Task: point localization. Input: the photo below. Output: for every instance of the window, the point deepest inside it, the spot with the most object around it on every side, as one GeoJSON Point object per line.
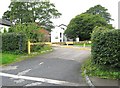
{"type": "Point", "coordinates": [60, 35]}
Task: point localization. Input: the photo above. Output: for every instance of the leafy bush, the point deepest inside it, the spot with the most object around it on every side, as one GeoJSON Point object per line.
{"type": "Point", "coordinates": [106, 47]}
{"type": "Point", "coordinates": [35, 48]}
{"type": "Point", "coordinates": [32, 31]}
{"type": "Point", "coordinates": [13, 42]}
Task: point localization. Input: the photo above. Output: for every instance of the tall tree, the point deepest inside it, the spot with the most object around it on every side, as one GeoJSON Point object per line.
{"type": "Point", "coordinates": [82, 25]}
{"type": "Point", "coordinates": [102, 11]}
{"type": "Point", "coordinates": [25, 12]}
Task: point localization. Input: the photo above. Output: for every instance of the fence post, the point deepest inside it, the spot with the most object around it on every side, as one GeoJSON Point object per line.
{"type": "Point", "coordinates": [28, 47]}
{"type": "Point", "coordinates": [84, 45]}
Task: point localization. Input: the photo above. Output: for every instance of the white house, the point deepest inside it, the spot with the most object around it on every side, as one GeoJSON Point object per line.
{"type": "Point", "coordinates": [4, 25]}
{"type": "Point", "coordinates": [57, 34]}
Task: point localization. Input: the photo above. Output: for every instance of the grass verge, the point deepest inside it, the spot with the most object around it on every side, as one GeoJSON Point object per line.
{"type": "Point", "coordinates": [94, 70]}
{"type": "Point", "coordinates": [7, 58]}
{"type": "Point", "coordinates": [82, 44]}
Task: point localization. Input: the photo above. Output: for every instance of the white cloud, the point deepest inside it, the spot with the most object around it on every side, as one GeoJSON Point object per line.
{"type": "Point", "coordinates": [3, 6]}
{"type": "Point", "coordinates": [71, 8]}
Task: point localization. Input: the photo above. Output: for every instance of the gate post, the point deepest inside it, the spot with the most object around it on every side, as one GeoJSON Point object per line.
{"type": "Point", "coordinates": [84, 45]}
{"type": "Point", "coordinates": [28, 47]}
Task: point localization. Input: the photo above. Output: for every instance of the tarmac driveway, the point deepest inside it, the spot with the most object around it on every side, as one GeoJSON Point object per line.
{"type": "Point", "coordinates": [58, 68]}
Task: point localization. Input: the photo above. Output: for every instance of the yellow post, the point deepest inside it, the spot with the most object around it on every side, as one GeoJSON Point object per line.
{"type": "Point", "coordinates": [67, 43]}
{"type": "Point", "coordinates": [84, 45]}
{"type": "Point", "coordinates": [28, 47]}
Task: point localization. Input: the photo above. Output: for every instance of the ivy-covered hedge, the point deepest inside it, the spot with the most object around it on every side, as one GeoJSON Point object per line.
{"type": "Point", "coordinates": [106, 47]}
{"type": "Point", "coordinates": [13, 42]}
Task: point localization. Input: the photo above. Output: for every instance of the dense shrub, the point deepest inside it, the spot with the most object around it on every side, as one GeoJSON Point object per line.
{"type": "Point", "coordinates": [32, 31]}
{"type": "Point", "coordinates": [13, 42]}
{"type": "Point", "coordinates": [35, 48]}
{"type": "Point", "coordinates": [106, 47]}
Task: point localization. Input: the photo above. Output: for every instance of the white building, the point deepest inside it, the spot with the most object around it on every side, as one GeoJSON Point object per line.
{"type": "Point", "coordinates": [4, 25]}
{"type": "Point", "coordinates": [57, 34]}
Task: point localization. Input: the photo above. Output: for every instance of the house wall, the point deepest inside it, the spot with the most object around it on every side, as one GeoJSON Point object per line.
{"type": "Point", "coordinates": [57, 34]}
{"type": "Point", "coordinates": [3, 27]}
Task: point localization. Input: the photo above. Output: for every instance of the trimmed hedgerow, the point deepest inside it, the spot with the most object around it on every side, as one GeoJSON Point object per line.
{"type": "Point", "coordinates": [13, 42]}
{"type": "Point", "coordinates": [106, 47]}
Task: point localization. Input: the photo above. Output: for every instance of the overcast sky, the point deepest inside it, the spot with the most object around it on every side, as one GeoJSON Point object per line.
{"type": "Point", "coordinates": [71, 8]}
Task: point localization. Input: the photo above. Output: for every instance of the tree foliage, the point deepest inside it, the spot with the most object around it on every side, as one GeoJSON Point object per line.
{"type": "Point", "coordinates": [82, 25]}
{"type": "Point", "coordinates": [24, 12]}
{"type": "Point", "coordinates": [31, 30]}
{"type": "Point", "coordinates": [100, 10]}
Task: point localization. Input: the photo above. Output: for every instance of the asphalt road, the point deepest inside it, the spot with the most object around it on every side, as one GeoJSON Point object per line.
{"type": "Point", "coordinates": [58, 68]}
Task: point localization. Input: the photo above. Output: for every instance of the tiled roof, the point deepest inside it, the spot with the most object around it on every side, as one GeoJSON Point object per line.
{"type": "Point", "coordinates": [44, 31]}
{"type": "Point", "coordinates": [5, 22]}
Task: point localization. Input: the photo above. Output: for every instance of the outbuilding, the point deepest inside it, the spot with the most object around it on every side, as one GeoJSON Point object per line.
{"type": "Point", "coordinates": [4, 25]}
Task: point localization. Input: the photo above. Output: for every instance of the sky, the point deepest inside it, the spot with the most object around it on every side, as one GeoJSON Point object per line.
{"type": "Point", "coordinates": [71, 8]}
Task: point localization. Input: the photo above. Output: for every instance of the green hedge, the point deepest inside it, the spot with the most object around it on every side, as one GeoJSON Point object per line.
{"type": "Point", "coordinates": [13, 42]}
{"type": "Point", "coordinates": [106, 48]}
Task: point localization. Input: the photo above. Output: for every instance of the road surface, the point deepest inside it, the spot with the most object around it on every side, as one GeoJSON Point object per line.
{"type": "Point", "coordinates": [58, 68]}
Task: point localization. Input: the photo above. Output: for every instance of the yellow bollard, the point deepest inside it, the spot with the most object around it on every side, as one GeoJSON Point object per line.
{"type": "Point", "coordinates": [28, 47]}
{"type": "Point", "coordinates": [84, 45]}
